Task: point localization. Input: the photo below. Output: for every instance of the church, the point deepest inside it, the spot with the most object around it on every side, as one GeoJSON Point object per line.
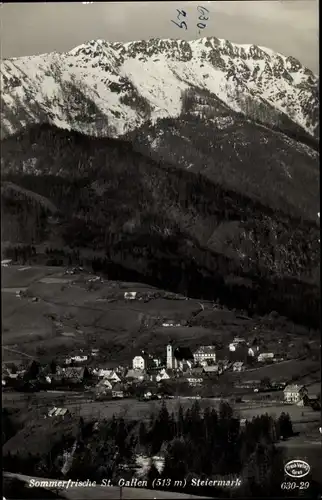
{"type": "Point", "coordinates": [177, 356]}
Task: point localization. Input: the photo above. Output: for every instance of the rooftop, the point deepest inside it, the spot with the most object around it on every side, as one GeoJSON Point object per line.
{"type": "Point", "coordinates": [293, 388]}
{"type": "Point", "coordinates": [211, 369]}
{"type": "Point", "coordinates": [206, 349]}
{"type": "Point", "coordinates": [135, 373]}
{"type": "Point", "coordinates": [57, 412]}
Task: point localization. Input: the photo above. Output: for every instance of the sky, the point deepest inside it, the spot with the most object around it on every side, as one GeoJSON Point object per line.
{"type": "Point", "coordinates": [286, 26]}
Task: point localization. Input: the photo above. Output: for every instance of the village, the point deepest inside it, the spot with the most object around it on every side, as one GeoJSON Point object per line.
{"type": "Point", "coordinates": [105, 349]}
{"type": "Point", "coordinates": [202, 373]}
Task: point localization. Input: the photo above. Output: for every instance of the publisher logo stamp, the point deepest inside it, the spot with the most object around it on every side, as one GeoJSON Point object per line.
{"type": "Point", "coordinates": [297, 468]}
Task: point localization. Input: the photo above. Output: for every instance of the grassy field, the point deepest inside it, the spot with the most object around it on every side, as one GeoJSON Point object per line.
{"type": "Point", "coordinates": [21, 276]}
{"type": "Point", "coordinates": [83, 405]}
{"type": "Point", "coordinates": [73, 306]}
{"type": "Point", "coordinates": [284, 370]}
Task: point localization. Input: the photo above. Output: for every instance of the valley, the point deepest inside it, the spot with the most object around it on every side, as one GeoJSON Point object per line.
{"type": "Point", "coordinates": [160, 272]}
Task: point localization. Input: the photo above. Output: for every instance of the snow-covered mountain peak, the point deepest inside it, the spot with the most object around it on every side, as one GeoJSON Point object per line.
{"type": "Point", "coordinates": [125, 84]}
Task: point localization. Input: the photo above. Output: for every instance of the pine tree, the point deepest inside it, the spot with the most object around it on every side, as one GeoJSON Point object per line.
{"type": "Point", "coordinates": [225, 411]}
{"type": "Point", "coordinates": [180, 421]}
{"type": "Point", "coordinates": [142, 434]}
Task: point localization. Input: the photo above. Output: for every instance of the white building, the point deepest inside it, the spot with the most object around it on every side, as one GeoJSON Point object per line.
{"type": "Point", "coordinates": [110, 375]}
{"type": "Point", "coordinates": [130, 295]}
{"type": "Point", "coordinates": [139, 362]}
{"type": "Point", "coordinates": [172, 362]}
{"type": "Point", "coordinates": [6, 262]}
{"type": "Point", "coordinates": [205, 352]}
{"type": "Point", "coordinates": [293, 393]}
{"type": "Point", "coordinates": [237, 342]}
{"type": "Point", "coordinates": [163, 375]}
{"type": "Point", "coordinates": [184, 365]}
{"type": "Point", "coordinates": [76, 359]}
{"type": "Point", "coordinates": [193, 381]}
{"type": "Point", "coordinates": [104, 384]}
{"type": "Point", "coordinates": [264, 356]}
{"type": "Point", "coordinates": [170, 323]}
{"type": "Point", "coordinates": [58, 412]}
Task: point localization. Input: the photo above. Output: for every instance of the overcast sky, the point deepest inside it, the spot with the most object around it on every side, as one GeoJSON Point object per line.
{"type": "Point", "coordinates": [288, 26]}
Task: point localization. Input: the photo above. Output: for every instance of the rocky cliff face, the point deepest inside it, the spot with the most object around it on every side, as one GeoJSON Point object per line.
{"type": "Point", "coordinates": [108, 89]}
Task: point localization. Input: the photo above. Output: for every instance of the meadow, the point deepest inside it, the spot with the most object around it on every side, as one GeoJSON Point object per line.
{"type": "Point", "coordinates": [57, 311]}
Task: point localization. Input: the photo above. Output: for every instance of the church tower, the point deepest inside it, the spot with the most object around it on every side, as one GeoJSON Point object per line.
{"type": "Point", "coordinates": [170, 357]}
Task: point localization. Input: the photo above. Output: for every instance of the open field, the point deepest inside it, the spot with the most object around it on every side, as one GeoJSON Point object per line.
{"type": "Point", "coordinates": [56, 306]}
{"type": "Point", "coordinates": [19, 276]}
{"type": "Point", "coordinates": [283, 370]}
{"type": "Point", "coordinates": [83, 405]}
{"type": "Point", "coordinates": [61, 312]}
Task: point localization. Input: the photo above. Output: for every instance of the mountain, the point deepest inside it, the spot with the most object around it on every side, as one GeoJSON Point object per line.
{"type": "Point", "coordinates": [110, 89]}
{"type": "Point", "coordinates": [191, 166]}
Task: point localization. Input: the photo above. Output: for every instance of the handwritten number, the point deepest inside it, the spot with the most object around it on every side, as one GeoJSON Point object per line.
{"type": "Point", "coordinates": [181, 13]}
{"type": "Point", "coordinates": [202, 9]}
{"type": "Point", "coordinates": [181, 25]}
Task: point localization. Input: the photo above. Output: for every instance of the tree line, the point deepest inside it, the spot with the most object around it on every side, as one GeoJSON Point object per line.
{"type": "Point", "coordinates": [194, 443]}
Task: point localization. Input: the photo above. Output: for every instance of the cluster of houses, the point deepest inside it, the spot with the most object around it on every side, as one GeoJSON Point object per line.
{"type": "Point", "coordinates": [253, 351]}
{"type": "Point", "coordinates": [179, 365]}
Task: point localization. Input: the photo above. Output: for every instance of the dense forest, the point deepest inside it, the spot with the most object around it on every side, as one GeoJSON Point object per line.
{"type": "Point", "coordinates": [163, 225]}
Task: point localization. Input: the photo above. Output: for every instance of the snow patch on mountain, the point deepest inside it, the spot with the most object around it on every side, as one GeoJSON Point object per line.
{"type": "Point", "coordinates": [104, 88]}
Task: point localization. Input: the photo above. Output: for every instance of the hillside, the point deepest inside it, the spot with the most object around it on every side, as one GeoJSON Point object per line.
{"type": "Point", "coordinates": [240, 154]}
{"type": "Point", "coordinates": [176, 229]}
